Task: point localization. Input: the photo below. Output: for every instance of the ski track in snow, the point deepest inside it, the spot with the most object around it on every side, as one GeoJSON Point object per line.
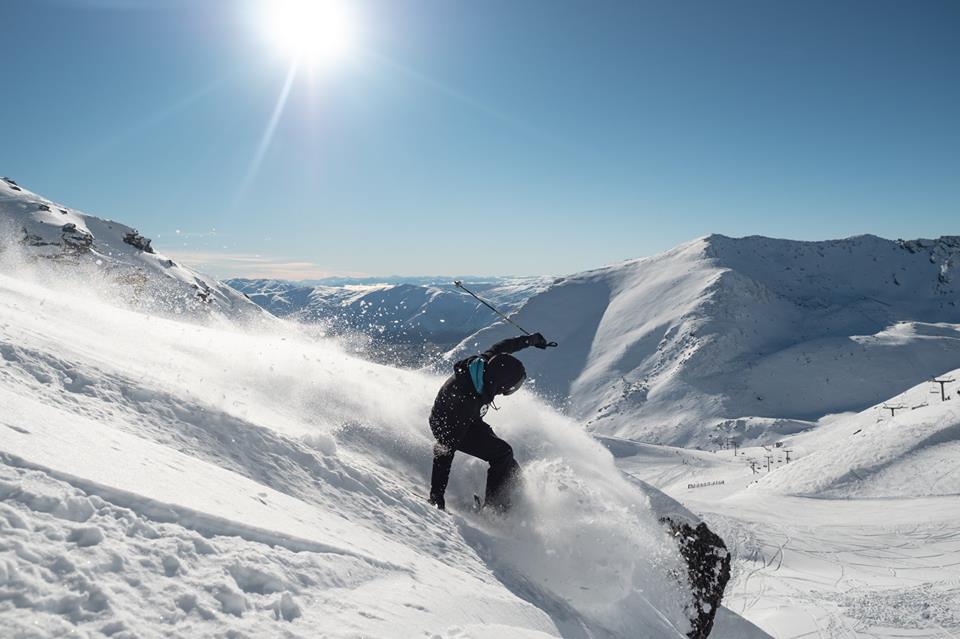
{"type": "Point", "coordinates": [816, 567]}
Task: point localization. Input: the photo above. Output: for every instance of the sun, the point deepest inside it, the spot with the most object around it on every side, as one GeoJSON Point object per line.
{"type": "Point", "coordinates": [310, 32]}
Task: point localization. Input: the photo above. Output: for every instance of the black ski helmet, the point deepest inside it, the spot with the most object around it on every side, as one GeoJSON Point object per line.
{"type": "Point", "coordinates": [504, 374]}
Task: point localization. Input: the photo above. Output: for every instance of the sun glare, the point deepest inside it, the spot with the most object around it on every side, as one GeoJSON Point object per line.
{"type": "Point", "coordinates": [310, 32]}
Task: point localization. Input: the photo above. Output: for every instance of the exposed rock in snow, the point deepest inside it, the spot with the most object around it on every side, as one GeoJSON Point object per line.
{"type": "Point", "coordinates": [708, 571]}
{"type": "Point", "coordinates": [703, 551]}
{"type": "Point", "coordinates": [134, 239]}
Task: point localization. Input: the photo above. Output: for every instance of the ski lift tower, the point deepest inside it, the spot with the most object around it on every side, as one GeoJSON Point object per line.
{"type": "Point", "coordinates": [893, 409]}
{"type": "Point", "coordinates": [943, 391]}
{"type": "Point", "coordinates": [732, 443]}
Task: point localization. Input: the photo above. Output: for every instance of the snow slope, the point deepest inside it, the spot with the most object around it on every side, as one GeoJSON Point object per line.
{"type": "Point", "coordinates": [858, 535]}
{"type": "Point", "coordinates": [911, 451]}
{"type": "Point", "coordinates": [433, 311]}
{"type": "Point", "coordinates": [108, 258]}
{"type": "Point", "coordinates": [682, 346]}
{"type": "Point", "coordinates": [161, 478]}
{"type": "Point", "coordinates": [851, 568]}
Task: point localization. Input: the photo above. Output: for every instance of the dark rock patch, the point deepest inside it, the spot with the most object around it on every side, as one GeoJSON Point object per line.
{"type": "Point", "coordinates": [708, 571]}
{"type": "Point", "coordinates": [137, 241]}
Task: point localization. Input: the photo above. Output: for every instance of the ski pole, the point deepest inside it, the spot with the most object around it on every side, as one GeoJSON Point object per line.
{"type": "Point", "coordinates": [459, 284]}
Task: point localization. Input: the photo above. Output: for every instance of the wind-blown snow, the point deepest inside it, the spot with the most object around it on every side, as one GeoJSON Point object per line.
{"type": "Point", "coordinates": [170, 479]}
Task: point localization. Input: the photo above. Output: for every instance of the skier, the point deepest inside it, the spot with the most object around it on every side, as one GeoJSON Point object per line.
{"type": "Point", "coordinates": [457, 418]}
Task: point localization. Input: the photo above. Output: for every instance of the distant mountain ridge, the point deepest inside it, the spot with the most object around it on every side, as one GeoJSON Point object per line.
{"type": "Point", "coordinates": [726, 337]}
{"type": "Point", "coordinates": [418, 280]}
{"type": "Point", "coordinates": [420, 310]}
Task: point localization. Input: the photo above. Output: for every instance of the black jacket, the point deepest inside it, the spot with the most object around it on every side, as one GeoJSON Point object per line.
{"type": "Point", "coordinates": [458, 405]}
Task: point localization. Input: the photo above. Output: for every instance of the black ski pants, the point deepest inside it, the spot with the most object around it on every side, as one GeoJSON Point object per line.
{"type": "Point", "coordinates": [480, 441]}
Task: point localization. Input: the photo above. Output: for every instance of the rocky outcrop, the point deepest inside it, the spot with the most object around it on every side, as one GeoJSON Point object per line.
{"type": "Point", "coordinates": [708, 571]}
{"type": "Point", "coordinates": [703, 551]}
{"type": "Point", "coordinates": [32, 239]}
{"type": "Point", "coordinates": [75, 240]}
{"type": "Point", "coordinates": [71, 241]}
{"type": "Point", "coordinates": [203, 292]}
{"type": "Point", "coordinates": [134, 239]}
{"type": "Point", "coordinates": [944, 252]}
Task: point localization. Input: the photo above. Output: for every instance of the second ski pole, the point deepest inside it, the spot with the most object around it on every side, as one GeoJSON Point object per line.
{"type": "Point", "coordinates": [459, 284]}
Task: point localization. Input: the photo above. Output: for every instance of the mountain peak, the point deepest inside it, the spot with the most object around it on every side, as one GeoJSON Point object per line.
{"type": "Point", "coordinates": [672, 347]}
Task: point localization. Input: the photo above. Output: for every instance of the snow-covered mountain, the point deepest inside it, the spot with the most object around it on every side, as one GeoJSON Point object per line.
{"type": "Point", "coordinates": [747, 338]}
{"type": "Point", "coordinates": [160, 478]}
{"type": "Point", "coordinates": [107, 258]}
{"type": "Point", "coordinates": [427, 315]}
{"type": "Point", "coordinates": [401, 312]}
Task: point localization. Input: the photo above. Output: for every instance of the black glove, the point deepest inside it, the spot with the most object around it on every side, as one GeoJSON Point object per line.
{"type": "Point", "coordinates": [437, 500]}
{"type": "Point", "coordinates": [537, 340]}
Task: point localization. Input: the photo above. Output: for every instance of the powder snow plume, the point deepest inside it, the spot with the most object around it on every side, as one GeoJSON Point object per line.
{"type": "Point", "coordinates": [190, 435]}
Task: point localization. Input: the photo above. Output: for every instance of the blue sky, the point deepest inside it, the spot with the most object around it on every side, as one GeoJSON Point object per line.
{"type": "Point", "coordinates": [494, 137]}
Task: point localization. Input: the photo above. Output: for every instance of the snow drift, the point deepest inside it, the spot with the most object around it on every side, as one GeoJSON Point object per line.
{"type": "Point", "coordinates": [679, 347]}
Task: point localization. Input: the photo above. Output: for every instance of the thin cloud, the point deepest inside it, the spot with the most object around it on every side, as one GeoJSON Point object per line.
{"type": "Point", "coordinates": [255, 266]}
{"type": "Point", "coordinates": [123, 5]}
